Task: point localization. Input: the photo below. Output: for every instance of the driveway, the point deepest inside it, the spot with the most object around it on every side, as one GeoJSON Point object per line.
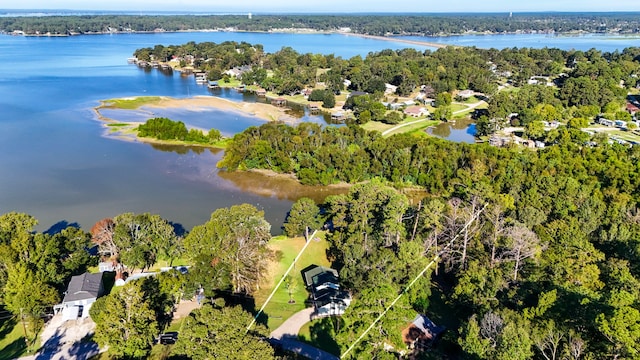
{"type": "Point", "coordinates": [286, 337]}
{"type": "Point", "coordinates": [66, 340]}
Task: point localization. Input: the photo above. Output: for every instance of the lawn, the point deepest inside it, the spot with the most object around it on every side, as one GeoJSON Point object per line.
{"type": "Point", "coordinates": [12, 343]}
{"type": "Point", "coordinates": [131, 103]}
{"type": "Point", "coordinates": [414, 127]}
{"type": "Point", "coordinates": [286, 249]}
{"type": "Point", "coordinates": [376, 126]}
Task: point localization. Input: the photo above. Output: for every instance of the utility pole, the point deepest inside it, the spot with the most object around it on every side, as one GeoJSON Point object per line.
{"type": "Point", "coordinates": [24, 330]}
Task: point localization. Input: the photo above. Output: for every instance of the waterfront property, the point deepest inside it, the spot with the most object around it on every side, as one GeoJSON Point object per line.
{"type": "Point", "coordinates": [324, 291]}
{"type": "Point", "coordinates": [82, 292]}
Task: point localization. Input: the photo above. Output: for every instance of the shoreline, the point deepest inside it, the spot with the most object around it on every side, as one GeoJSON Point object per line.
{"type": "Point", "coordinates": [128, 132]}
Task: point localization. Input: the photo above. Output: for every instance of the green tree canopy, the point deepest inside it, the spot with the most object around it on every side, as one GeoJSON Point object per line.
{"type": "Point", "coordinates": [211, 333]}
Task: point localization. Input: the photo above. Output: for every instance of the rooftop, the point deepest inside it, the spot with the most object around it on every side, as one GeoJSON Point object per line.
{"type": "Point", "coordinates": [85, 286]}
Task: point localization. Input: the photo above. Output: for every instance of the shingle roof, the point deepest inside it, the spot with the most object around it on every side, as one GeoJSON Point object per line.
{"type": "Point", "coordinates": [85, 286]}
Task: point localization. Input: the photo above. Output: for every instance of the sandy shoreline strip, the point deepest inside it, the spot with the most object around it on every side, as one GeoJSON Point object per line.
{"type": "Point", "coordinates": [263, 111]}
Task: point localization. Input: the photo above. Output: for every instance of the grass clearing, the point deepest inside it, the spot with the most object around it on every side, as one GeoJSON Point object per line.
{"type": "Point", "coordinates": [117, 124]}
{"type": "Point", "coordinates": [376, 126]}
{"type": "Point", "coordinates": [131, 103]}
{"type": "Point", "coordinates": [286, 249]}
{"type": "Point", "coordinates": [12, 344]}
{"type": "Point", "coordinates": [417, 127]}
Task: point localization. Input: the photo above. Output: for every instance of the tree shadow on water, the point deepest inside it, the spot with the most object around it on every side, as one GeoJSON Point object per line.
{"type": "Point", "coordinates": [59, 226]}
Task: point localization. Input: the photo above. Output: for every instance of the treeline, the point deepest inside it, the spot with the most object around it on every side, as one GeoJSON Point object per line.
{"type": "Point", "coordinates": [374, 24]}
{"type": "Point", "coordinates": [167, 129]}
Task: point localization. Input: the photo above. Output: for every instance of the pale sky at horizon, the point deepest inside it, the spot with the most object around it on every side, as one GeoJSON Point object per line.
{"type": "Point", "coordinates": [334, 6]}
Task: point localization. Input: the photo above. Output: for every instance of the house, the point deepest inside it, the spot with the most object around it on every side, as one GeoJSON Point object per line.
{"type": "Point", "coordinates": [325, 294]}
{"type": "Point", "coordinates": [279, 101]}
{"type": "Point", "coordinates": [465, 94]}
{"type": "Point", "coordinates": [237, 71]}
{"type": "Point", "coordinates": [356, 93]}
{"type": "Point", "coordinates": [421, 334]}
{"type": "Point", "coordinates": [416, 111]}
{"type": "Point", "coordinates": [261, 92]}
{"type": "Point", "coordinates": [82, 292]}
{"type": "Point", "coordinates": [632, 108]}
{"type": "Point", "coordinates": [390, 89]}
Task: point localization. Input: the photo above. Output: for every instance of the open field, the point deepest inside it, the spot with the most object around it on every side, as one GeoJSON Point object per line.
{"type": "Point", "coordinates": [286, 249]}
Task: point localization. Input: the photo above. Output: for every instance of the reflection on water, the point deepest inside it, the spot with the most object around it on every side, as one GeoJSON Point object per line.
{"type": "Point", "coordinates": [185, 149]}
{"type": "Point", "coordinates": [461, 130]}
{"type": "Point", "coordinates": [279, 187]}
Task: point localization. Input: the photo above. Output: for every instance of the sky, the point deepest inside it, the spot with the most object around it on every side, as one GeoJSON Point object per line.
{"type": "Point", "coordinates": [333, 6]}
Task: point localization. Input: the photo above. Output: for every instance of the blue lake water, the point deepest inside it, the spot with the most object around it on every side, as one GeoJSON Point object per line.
{"type": "Point", "coordinates": [56, 163]}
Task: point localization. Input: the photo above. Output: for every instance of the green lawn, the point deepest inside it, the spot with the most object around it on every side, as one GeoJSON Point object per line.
{"type": "Point", "coordinates": [457, 107]}
{"type": "Point", "coordinates": [286, 249]}
{"type": "Point", "coordinates": [12, 343]}
{"type": "Point", "coordinates": [415, 127]}
{"type": "Point", "coordinates": [131, 103]}
{"type": "Point", "coordinates": [376, 126]}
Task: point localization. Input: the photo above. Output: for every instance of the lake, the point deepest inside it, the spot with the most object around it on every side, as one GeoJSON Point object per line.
{"type": "Point", "coordinates": [57, 165]}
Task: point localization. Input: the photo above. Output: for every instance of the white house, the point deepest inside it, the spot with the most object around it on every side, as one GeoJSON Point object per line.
{"type": "Point", "coordinates": [82, 292]}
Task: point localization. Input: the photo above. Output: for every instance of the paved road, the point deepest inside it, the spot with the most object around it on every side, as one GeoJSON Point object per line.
{"type": "Point", "coordinates": [286, 335]}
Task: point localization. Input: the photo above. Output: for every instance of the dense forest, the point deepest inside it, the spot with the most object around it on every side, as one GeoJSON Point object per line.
{"type": "Point", "coordinates": [373, 24]}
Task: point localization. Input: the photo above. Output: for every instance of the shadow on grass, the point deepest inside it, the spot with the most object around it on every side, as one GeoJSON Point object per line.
{"type": "Point", "coordinates": [13, 350]}
{"type": "Point", "coordinates": [323, 333]}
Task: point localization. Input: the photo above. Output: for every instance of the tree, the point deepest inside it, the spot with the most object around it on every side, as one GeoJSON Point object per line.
{"type": "Point", "coordinates": [328, 100]}
{"type": "Point", "coordinates": [234, 238]}
{"type": "Point", "coordinates": [524, 244]}
{"type": "Point", "coordinates": [534, 129]}
{"type": "Point", "coordinates": [302, 217]}
{"type": "Point", "coordinates": [28, 296]}
{"type": "Point", "coordinates": [102, 235]}
{"type": "Point", "coordinates": [140, 238]}
{"type": "Point", "coordinates": [125, 322]}
{"type": "Point", "coordinates": [393, 117]}
{"type": "Point", "coordinates": [211, 333]}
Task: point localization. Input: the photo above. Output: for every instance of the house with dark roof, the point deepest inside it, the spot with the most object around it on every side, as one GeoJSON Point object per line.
{"type": "Point", "coordinates": [82, 292]}
{"type": "Point", "coordinates": [421, 334]}
{"type": "Point", "coordinates": [324, 291]}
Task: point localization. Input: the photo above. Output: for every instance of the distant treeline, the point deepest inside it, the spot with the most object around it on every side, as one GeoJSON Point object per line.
{"type": "Point", "coordinates": [423, 24]}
